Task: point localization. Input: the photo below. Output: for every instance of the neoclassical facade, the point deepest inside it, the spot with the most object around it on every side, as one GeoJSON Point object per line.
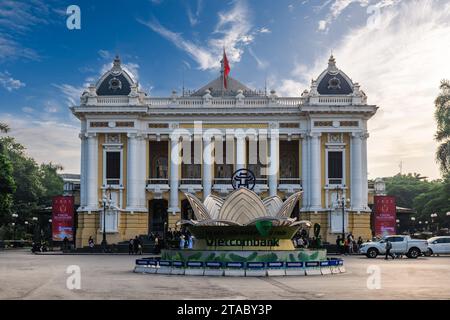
{"type": "Point", "coordinates": [144, 153]}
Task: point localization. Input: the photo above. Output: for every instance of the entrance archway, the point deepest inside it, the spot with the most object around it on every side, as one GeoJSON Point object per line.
{"type": "Point", "coordinates": [157, 217]}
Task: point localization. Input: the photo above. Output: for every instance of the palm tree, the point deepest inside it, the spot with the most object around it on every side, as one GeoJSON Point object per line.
{"type": "Point", "coordinates": [442, 117]}
{"type": "Point", "coordinates": [4, 127]}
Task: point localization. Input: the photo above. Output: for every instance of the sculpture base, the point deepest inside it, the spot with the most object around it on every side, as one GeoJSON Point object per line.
{"type": "Point", "coordinates": [300, 255]}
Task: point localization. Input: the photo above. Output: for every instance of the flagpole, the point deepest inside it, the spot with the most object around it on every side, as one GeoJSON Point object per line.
{"type": "Point", "coordinates": [222, 71]}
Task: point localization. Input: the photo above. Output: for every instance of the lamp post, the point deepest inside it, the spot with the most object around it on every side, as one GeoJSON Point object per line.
{"type": "Point", "coordinates": [434, 215]}
{"type": "Point", "coordinates": [106, 204]}
{"type": "Point", "coordinates": [341, 203]}
{"type": "Point", "coordinates": [35, 228]}
{"type": "Point", "coordinates": [448, 215]}
{"type": "Point", "coordinates": [15, 216]}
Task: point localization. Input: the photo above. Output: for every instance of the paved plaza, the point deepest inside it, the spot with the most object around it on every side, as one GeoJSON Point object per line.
{"type": "Point", "coordinates": [27, 276]}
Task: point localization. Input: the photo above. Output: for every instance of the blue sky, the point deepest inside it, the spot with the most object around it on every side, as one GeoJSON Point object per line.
{"type": "Point", "coordinates": [397, 50]}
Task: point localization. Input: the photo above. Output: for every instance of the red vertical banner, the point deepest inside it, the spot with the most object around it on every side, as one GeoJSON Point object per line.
{"type": "Point", "coordinates": [385, 215]}
{"type": "Point", "coordinates": [62, 218]}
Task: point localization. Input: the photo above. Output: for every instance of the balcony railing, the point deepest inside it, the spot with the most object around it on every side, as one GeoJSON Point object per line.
{"type": "Point", "coordinates": [222, 180]}
{"type": "Point", "coordinates": [261, 180]}
{"type": "Point", "coordinates": [290, 181]}
{"type": "Point", "coordinates": [112, 181]}
{"type": "Point", "coordinates": [157, 181]}
{"type": "Point", "coordinates": [191, 181]}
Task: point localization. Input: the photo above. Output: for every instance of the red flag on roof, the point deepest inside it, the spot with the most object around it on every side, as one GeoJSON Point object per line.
{"type": "Point", "coordinates": [226, 69]}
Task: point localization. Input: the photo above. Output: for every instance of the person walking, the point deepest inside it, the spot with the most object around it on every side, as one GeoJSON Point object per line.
{"type": "Point", "coordinates": [388, 250]}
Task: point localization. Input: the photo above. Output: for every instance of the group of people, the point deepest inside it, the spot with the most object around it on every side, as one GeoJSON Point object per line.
{"type": "Point", "coordinates": [135, 246]}
{"type": "Point", "coordinates": [184, 240]}
{"type": "Point", "coordinates": [301, 239]}
{"type": "Point", "coordinates": [349, 244]}
{"type": "Point", "coordinates": [39, 246]}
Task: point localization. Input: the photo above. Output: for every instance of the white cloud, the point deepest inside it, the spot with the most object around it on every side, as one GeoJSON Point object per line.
{"type": "Point", "coordinates": [399, 64]}
{"type": "Point", "coordinates": [264, 30]}
{"type": "Point", "coordinates": [71, 93]}
{"type": "Point", "coordinates": [27, 109]}
{"type": "Point", "coordinates": [9, 83]}
{"type": "Point", "coordinates": [337, 7]}
{"type": "Point", "coordinates": [104, 54]}
{"type": "Point", "coordinates": [202, 56]}
{"type": "Point", "coordinates": [232, 31]}
{"type": "Point", "coordinates": [262, 64]}
{"type": "Point", "coordinates": [47, 140]}
{"type": "Point", "coordinates": [18, 18]}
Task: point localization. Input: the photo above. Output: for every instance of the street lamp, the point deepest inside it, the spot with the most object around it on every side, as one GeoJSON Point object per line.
{"type": "Point", "coordinates": [341, 203]}
{"type": "Point", "coordinates": [106, 204]}
{"type": "Point", "coordinates": [15, 216]}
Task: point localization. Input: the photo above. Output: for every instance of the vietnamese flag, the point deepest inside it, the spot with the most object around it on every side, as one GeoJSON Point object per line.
{"type": "Point", "coordinates": [226, 69]}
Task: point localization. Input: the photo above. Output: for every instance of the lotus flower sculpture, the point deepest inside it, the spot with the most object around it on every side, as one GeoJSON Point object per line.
{"type": "Point", "coordinates": [242, 207]}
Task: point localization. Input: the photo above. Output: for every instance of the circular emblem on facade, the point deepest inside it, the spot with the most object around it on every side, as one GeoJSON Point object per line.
{"type": "Point", "coordinates": [334, 83]}
{"type": "Point", "coordinates": [115, 84]}
{"type": "Point", "coordinates": [243, 178]}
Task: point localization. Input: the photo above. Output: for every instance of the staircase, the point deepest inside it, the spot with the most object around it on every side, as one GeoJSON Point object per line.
{"type": "Point", "coordinates": [148, 246]}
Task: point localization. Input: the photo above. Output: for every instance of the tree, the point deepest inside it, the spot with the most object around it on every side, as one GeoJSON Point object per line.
{"type": "Point", "coordinates": [35, 184]}
{"type": "Point", "coordinates": [7, 187]}
{"type": "Point", "coordinates": [4, 127]}
{"type": "Point", "coordinates": [442, 117]}
{"type": "Point", "coordinates": [406, 187]}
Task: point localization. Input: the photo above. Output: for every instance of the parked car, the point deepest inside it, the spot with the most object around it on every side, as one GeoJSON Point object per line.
{"type": "Point", "coordinates": [412, 248]}
{"type": "Point", "coordinates": [439, 245]}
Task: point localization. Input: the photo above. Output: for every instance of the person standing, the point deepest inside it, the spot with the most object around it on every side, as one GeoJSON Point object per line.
{"type": "Point", "coordinates": [131, 247]}
{"type": "Point", "coordinates": [190, 242]}
{"type": "Point", "coordinates": [156, 251]}
{"type": "Point", "coordinates": [182, 242]}
{"type": "Point", "coordinates": [91, 243]}
{"type": "Point", "coordinates": [388, 250]}
{"type": "Point", "coordinates": [360, 242]}
{"type": "Point", "coordinates": [136, 245]}
{"type": "Point", "coordinates": [338, 244]}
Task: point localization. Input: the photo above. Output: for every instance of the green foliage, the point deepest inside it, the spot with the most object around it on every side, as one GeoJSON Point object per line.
{"type": "Point", "coordinates": [442, 117]}
{"type": "Point", "coordinates": [7, 187]}
{"type": "Point", "coordinates": [406, 187]}
{"type": "Point", "coordinates": [25, 187]}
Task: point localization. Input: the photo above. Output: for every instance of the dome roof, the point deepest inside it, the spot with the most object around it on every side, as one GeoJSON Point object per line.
{"type": "Point", "coordinates": [115, 82]}
{"type": "Point", "coordinates": [334, 81]}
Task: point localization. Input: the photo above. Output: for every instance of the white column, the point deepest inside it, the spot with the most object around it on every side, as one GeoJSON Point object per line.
{"type": "Point", "coordinates": [135, 173]}
{"type": "Point", "coordinates": [305, 170]}
{"type": "Point", "coordinates": [207, 166]}
{"type": "Point", "coordinates": [174, 163]}
{"type": "Point", "coordinates": [240, 151]}
{"type": "Point", "coordinates": [92, 172]}
{"type": "Point", "coordinates": [83, 171]}
{"type": "Point", "coordinates": [356, 165]}
{"type": "Point", "coordinates": [274, 163]}
{"type": "Point", "coordinates": [316, 165]}
{"type": "Point", "coordinates": [365, 188]}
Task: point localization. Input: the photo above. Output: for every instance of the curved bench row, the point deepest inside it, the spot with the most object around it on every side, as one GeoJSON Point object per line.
{"type": "Point", "coordinates": [258, 269]}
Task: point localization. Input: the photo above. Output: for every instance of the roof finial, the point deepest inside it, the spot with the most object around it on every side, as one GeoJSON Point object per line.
{"type": "Point", "coordinates": [116, 62]}
{"type": "Point", "coordinates": [332, 64]}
